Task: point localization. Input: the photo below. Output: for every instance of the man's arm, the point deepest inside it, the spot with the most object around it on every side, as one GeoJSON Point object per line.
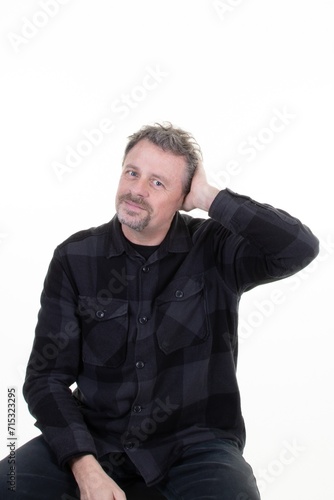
{"type": "Point", "coordinates": [261, 243]}
{"type": "Point", "coordinates": [53, 367]}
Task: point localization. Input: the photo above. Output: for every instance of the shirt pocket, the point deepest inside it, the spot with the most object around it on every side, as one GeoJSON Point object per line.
{"type": "Point", "coordinates": [181, 319]}
{"type": "Point", "coordinates": [104, 331]}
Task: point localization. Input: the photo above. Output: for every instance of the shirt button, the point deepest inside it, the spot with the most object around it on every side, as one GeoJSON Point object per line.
{"type": "Point", "coordinates": [100, 314]}
{"type": "Point", "coordinates": [143, 320]}
{"type": "Point", "coordinates": [146, 269]}
{"type": "Point", "coordinates": [137, 408]}
{"type": "Point", "coordinates": [129, 445]}
{"type": "Point", "coordinates": [140, 364]}
{"type": "Point", "coordinates": [179, 294]}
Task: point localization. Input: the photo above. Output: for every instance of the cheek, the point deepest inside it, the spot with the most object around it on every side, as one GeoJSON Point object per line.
{"type": "Point", "coordinates": [169, 206]}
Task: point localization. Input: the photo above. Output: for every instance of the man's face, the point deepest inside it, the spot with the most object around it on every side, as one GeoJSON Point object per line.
{"type": "Point", "coordinates": [150, 189]}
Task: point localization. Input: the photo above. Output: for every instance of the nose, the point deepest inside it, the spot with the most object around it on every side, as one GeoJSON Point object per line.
{"type": "Point", "coordinates": [140, 188]}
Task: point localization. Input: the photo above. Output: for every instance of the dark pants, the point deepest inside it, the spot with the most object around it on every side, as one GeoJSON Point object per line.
{"type": "Point", "coordinates": [214, 470]}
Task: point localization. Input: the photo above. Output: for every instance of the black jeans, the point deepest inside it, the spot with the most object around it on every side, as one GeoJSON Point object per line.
{"type": "Point", "coordinates": [214, 470]}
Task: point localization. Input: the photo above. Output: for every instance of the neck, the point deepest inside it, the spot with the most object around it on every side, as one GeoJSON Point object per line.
{"type": "Point", "coordinates": [143, 237]}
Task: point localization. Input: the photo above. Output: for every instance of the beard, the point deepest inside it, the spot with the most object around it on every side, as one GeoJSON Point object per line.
{"type": "Point", "coordinates": [131, 218]}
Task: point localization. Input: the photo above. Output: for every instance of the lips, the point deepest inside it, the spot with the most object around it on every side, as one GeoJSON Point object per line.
{"type": "Point", "coordinates": [133, 205]}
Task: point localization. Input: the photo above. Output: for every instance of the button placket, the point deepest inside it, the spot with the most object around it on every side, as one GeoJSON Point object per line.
{"type": "Point", "coordinates": [146, 283]}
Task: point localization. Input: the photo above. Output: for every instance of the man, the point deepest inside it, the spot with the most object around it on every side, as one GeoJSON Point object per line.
{"type": "Point", "coordinates": [141, 313]}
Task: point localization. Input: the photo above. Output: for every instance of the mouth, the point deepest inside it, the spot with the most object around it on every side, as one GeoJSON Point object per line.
{"type": "Point", "coordinates": [133, 205]}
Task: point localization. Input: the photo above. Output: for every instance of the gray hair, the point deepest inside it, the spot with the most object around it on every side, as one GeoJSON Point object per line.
{"type": "Point", "coordinates": [174, 140]}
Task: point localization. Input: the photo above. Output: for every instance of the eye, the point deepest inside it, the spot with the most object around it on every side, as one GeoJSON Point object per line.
{"type": "Point", "coordinates": [131, 173]}
{"type": "Point", "coordinates": [157, 183]}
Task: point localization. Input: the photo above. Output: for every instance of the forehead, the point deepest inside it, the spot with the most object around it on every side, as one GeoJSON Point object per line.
{"type": "Point", "coordinates": [146, 155]}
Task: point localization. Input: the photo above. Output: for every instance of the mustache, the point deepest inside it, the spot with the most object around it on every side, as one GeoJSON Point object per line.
{"type": "Point", "coordinates": [137, 200]}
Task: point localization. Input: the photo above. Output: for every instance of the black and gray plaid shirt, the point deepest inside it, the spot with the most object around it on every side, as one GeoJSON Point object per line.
{"type": "Point", "coordinates": [152, 344]}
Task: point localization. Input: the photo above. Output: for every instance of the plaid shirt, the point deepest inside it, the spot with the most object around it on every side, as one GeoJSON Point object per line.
{"type": "Point", "coordinates": [152, 344]}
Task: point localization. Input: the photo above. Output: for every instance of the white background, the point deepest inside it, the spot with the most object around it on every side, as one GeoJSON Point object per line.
{"type": "Point", "coordinates": [223, 74]}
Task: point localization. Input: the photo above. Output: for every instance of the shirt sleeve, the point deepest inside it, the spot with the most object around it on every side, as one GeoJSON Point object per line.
{"type": "Point", "coordinates": [264, 243]}
{"type": "Point", "coordinates": [53, 367]}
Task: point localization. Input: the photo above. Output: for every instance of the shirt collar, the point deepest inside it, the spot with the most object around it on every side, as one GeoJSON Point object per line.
{"type": "Point", "coordinates": [177, 239]}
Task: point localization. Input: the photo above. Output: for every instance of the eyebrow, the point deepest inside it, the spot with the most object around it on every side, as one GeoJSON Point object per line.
{"type": "Point", "coordinates": [157, 176]}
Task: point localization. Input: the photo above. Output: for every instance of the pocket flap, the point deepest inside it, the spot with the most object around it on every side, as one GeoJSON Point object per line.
{"type": "Point", "coordinates": [101, 309]}
{"type": "Point", "coordinates": [181, 289]}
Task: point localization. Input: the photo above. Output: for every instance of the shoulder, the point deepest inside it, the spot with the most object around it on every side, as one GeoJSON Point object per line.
{"type": "Point", "coordinates": [85, 239]}
{"type": "Point", "coordinates": [197, 223]}
{"type": "Point", "coordinates": [198, 227]}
